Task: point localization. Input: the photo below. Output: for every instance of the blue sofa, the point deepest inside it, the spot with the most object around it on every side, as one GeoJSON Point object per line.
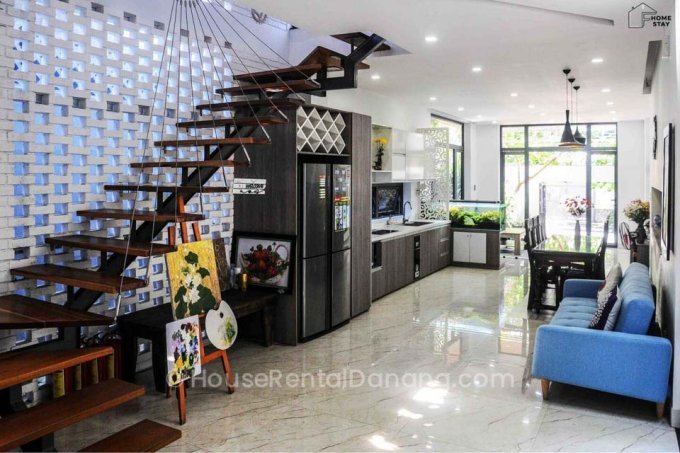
{"type": "Point", "coordinates": [625, 361]}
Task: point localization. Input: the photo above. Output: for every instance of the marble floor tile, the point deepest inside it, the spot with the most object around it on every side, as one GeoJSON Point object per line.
{"type": "Point", "coordinates": [441, 365]}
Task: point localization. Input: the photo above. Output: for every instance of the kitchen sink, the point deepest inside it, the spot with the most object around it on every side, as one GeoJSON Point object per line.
{"type": "Point", "coordinates": [417, 224]}
{"type": "Point", "coordinates": [380, 232]}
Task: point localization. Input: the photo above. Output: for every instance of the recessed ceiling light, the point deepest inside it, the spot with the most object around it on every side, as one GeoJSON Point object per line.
{"type": "Point", "coordinates": [514, 95]}
{"type": "Point", "coordinates": [433, 98]}
{"type": "Point", "coordinates": [613, 112]}
{"type": "Point", "coordinates": [542, 113]}
{"type": "Point", "coordinates": [597, 60]}
{"type": "Point", "coordinates": [460, 109]}
{"type": "Point", "coordinates": [494, 122]}
{"type": "Point", "coordinates": [610, 103]}
{"type": "Point", "coordinates": [375, 76]}
{"type": "Point", "coordinates": [431, 38]}
{"type": "Point", "coordinates": [476, 69]}
{"type": "Point", "coordinates": [531, 106]}
{"type": "Point", "coordinates": [479, 116]}
{"type": "Point", "coordinates": [606, 90]}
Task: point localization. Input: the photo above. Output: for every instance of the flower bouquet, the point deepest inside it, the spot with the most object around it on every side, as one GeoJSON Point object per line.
{"type": "Point", "coordinates": [577, 206]}
{"type": "Point", "coordinates": [380, 152]}
{"type": "Point", "coordinates": [638, 211]}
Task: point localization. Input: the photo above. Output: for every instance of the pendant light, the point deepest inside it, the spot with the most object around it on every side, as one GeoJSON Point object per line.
{"type": "Point", "coordinates": [577, 135]}
{"type": "Point", "coordinates": [568, 140]}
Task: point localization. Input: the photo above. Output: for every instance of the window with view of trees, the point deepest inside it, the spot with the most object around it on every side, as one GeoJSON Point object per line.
{"type": "Point", "coordinates": [456, 153]}
{"type": "Point", "coordinates": [537, 176]}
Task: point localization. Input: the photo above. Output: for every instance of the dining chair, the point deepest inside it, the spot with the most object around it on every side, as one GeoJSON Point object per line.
{"type": "Point", "coordinates": [542, 228]}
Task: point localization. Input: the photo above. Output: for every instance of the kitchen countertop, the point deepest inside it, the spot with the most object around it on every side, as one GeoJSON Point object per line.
{"type": "Point", "coordinates": [401, 230]}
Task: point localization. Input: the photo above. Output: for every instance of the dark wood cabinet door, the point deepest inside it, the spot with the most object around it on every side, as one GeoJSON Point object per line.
{"type": "Point", "coordinates": [379, 283]}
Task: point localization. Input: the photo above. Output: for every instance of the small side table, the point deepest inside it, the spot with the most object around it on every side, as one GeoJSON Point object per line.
{"type": "Point", "coordinates": [150, 324]}
{"type": "Point", "coordinates": [516, 235]}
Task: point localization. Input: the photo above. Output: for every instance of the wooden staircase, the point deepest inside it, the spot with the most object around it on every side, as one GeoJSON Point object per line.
{"type": "Point", "coordinates": [260, 100]}
{"type": "Point", "coordinates": [23, 427]}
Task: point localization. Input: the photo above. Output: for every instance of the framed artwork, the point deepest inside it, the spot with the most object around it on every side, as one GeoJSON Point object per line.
{"type": "Point", "coordinates": [183, 349]}
{"type": "Point", "coordinates": [668, 215]}
{"type": "Point", "coordinates": [267, 259]}
{"type": "Point", "coordinates": [194, 284]}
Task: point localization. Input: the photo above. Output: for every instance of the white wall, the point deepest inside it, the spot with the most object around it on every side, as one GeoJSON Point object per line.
{"type": "Point", "coordinates": [633, 180]}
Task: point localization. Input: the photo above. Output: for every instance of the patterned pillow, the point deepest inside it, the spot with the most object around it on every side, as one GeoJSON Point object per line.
{"type": "Point", "coordinates": [612, 281]}
{"type": "Point", "coordinates": [601, 316]}
{"type": "Point", "coordinates": [613, 315]}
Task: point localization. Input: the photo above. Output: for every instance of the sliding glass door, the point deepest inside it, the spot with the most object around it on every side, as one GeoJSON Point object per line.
{"type": "Point", "coordinates": [537, 176]}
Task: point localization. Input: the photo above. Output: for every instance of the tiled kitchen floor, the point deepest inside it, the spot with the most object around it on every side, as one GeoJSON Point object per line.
{"type": "Point", "coordinates": [469, 327]}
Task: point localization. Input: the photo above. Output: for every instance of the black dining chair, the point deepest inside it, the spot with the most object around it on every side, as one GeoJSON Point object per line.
{"type": "Point", "coordinates": [597, 269]}
{"type": "Point", "coordinates": [542, 273]}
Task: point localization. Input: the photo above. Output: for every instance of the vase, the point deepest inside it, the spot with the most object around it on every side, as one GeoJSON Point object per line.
{"type": "Point", "coordinates": [577, 229]}
{"type": "Point", "coordinates": [640, 234]}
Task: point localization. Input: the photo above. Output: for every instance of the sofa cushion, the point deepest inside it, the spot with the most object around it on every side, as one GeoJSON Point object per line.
{"type": "Point", "coordinates": [637, 301]}
{"type": "Point", "coordinates": [601, 316]}
{"type": "Point", "coordinates": [613, 315]}
{"type": "Point", "coordinates": [575, 312]}
{"type": "Point", "coordinates": [610, 284]}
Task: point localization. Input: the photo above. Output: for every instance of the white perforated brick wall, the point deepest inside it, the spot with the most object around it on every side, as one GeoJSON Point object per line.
{"type": "Point", "coordinates": [77, 86]}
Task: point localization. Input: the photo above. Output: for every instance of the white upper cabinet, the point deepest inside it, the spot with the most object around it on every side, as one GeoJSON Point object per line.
{"type": "Point", "coordinates": [405, 157]}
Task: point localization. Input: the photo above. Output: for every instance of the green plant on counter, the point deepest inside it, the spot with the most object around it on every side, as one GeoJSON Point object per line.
{"type": "Point", "coordinates": [491, 219]}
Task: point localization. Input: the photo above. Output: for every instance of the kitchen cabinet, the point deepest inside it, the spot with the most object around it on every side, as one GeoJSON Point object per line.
{"type": "Point", "coordinates": [405, 156]}
{"type": "Point", "coordinates": [477, 248]}
{"type": "Point", "coordinates": [397, 259]}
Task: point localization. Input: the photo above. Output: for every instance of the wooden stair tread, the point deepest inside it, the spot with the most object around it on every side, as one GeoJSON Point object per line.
{"type": "Point", "coordinates": [285, 103]}
{"type": "Point", "coordinates": [274, 87]}
{"type": "Point", "coordinates": [139, 214]}
{"type": "Point", "coordinates": [224, 122]}
{"type": "Point", "coordinates": [294, 72]}
{"type": "Point", "coordinates": [164, 189]}
{"type": "Point", "coordinates": [18, 367]}
{"type": "Point", "coordinates": [146, 435]}
{"type": "Point", "coordinates": [329, 59]}
{"type": "Point", "coordinates": [21, 312]}
{"type": "Point", "coordinates": [30, 424]}
{"type": "Point", "coordinates": [212, 141]}
{"type": "Point", "coordinates": [113, 245]}
{"type": "Point", "coordinates": [81, 278]}
{"type": "Point", "coordinates": [216, 163]}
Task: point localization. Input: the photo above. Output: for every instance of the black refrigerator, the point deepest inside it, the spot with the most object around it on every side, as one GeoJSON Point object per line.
{"type": "Point", "coordinates": [326, 247]}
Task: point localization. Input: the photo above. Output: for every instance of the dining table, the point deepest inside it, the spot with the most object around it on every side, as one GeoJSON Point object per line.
{"type": "Point", "coordinates": [558, 252]}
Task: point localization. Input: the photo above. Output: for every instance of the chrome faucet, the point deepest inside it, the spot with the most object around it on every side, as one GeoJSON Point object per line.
{"type": "Point", "coordinates": [411, 208]}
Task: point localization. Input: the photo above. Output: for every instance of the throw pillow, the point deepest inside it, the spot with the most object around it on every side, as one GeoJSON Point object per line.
{"type": "Point", "coordinates": [612, 281]}
{"type": "Point", "coordinates": [613, 315]}
{"type": "Point", "coordinates": [601, 316]}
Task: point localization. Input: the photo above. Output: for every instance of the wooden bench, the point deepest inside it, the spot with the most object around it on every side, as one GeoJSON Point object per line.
{"type": "Point", "coordinates": [146, 435]}
{"type": "Point", "coordinates": [150, 324]}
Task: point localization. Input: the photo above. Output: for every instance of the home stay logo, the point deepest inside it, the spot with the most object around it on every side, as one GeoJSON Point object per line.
{"type": "Point", "coordinates": [639, 15]}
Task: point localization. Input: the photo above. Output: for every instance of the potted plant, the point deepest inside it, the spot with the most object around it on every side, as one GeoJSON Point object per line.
{"type": "Point", "coordinates": [380, 152]}
{"type": "Point", "coordinates": [638, 211]}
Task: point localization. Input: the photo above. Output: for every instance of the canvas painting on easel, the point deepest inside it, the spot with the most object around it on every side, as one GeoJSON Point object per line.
{"type": "Point", "coordinates": [194, 284]}
{"type": "Point", "coordinates": [183, 349]}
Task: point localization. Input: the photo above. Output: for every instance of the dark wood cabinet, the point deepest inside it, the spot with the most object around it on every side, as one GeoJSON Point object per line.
{"type": "Point", "coordinates": [379, 283]}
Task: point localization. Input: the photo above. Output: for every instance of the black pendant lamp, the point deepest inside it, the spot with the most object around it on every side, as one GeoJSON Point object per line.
{"type": "Point", "coordinates": [568, 140]}
{"type": "Point", "coordinates": [577, 135]}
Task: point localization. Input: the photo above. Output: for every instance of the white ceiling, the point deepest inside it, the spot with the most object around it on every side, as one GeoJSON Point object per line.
{"type": "Point", "coordinates": [521, 50]}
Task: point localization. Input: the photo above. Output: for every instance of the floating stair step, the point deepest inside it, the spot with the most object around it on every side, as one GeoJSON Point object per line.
{"type": "Point", "coordinates": [274, 87]}
{"type": "Point", "coordinates": [223, 122]}
{"type": "Point", "coordinates": [358, 38]}
{"type": "Point", "coordinates": [143, 215]}
{"type": "Point", "coordinates": [294, 72]}
{"type": "Point", "coordinates": [80, 278]}
{"type": "Point", "coordinates": [20, 312]}
{"type": "Point", "coordinates": [235, 105]}
{"type": "Point", "coordinates": [146, 435]}
{"type": "Point", "coordinates": [22, 366]}
{"type": "Point", "coordinates": [216, 163]}
{"type": "Point", "coordinates": [329, 59]}
{"type": "Point", "coordinates": [212, 141]}
{"type": "Point", "coordinates": [165, 189]}
{"type": "Point", "coordinates": [24, 426]}
{"type": "Point", "coordinates": [110, 245]}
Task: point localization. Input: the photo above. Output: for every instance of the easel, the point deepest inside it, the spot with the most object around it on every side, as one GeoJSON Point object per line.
{"type": "Point", "coordinates": [181, 390]}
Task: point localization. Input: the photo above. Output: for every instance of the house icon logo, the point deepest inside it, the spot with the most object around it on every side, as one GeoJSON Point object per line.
{"type": "Point", "coordinates": [639, 15]}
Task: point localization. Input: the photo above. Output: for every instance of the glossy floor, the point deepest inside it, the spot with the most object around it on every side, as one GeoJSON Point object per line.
{"type": "Point", "coordinates": [440, 365]}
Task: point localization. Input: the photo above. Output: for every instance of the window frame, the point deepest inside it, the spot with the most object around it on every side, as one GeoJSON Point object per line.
{"type": "Point", "coordinates": [590, 151]}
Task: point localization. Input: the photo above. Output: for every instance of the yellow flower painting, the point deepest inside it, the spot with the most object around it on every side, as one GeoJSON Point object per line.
{"type": "Point", "coordinates": [194, 284]}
